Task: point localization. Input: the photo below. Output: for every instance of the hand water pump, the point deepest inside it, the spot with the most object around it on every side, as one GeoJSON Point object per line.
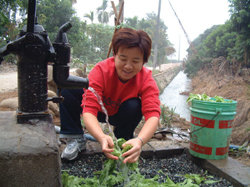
{"type": "Point", "coordinates": [34, 52]}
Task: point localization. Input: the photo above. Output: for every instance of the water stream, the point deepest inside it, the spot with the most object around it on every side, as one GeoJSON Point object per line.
{"type": "Point", "coordinates": [99, 100]}
{"type": "Point", "coordinates": [171, 95]}
{"type": "Point", "coordinates": [124, 168]}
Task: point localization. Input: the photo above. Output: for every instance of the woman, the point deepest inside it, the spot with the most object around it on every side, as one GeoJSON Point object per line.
{"type": "Point", "coordinates": [128, 92]}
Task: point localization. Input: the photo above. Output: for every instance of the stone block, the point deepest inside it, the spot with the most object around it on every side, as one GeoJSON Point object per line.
{"type": "Point", "coordinates": [29, 154]}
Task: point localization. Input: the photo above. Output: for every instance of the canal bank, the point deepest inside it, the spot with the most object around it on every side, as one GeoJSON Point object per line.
{"type": "Point", "coordinates": [164, 78]}
{"type": "Point", "coordinates": [171, 82]}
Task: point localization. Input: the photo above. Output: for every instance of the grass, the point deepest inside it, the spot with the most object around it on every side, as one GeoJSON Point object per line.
{"type": "Point", "coordinates": [247, 129]}
{"type": "Point", "coordinates": [166, 115]}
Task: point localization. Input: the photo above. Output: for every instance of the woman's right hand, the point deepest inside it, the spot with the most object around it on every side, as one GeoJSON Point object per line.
{"type": "Point", "coordinates": [107, 144]}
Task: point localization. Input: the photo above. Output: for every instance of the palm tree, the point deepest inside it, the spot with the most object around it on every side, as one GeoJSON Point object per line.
{"type": "Point", "coordinates": [103, 16]}
{"type": "Point", "coordinates": [90, 16]}
{"type": "Point", "coordinates": [132, 22]}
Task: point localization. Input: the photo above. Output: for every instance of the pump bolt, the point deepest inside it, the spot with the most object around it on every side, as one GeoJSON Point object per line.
{"type": "Point", "coordinates": [29, 36]}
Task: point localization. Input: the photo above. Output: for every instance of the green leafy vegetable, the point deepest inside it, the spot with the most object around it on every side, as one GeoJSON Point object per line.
{"type": "Point", "coordinates": [120, 142]}
{"type": "Point", "coordinates": [110, 166]}
{"type": "Point", "coordinates": [130, 175]}
{"type": "Point", "coordinates": [69, 180]}
{"type": "Point", "coordinates": [116, 153]}
{"type": "Point", "coordinates": [126, 148]}
{"type": "Point", "coordinates": [221, 99]}
{"type": "Point", "coordinates": [204, 97]}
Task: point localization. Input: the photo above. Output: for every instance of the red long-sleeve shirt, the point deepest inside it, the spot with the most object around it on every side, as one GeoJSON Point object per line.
{"type": "Point", "coordinates": [104, 79]}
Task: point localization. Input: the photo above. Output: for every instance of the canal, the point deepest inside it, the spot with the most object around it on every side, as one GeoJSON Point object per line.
{"type": "Point", "coordinates": [171, 95]}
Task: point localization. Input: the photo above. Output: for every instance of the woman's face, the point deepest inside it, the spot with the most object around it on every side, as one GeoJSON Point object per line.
{"type": "Point", "coordinates": [128, 62]}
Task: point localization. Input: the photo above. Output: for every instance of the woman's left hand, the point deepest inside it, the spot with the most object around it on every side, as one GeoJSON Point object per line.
{"type": "Point", "coordinates": [133, 154]}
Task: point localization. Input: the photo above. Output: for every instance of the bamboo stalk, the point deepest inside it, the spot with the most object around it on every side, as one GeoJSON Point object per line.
{"type": "Point", "coordinates": [116, 23]}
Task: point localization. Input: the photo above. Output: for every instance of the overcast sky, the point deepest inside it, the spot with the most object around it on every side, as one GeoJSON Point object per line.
{"type": "Point", "coordinates": [195, 15]}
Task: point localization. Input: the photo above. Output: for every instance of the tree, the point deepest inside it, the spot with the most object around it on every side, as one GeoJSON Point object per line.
{"type": "Point", "coordinates": [52, 14]}
{"type": "Point", "coordinates": [240, 16]}
{"type": "Point", "coordinates": [9, 9]}
{"type": "Point", "coordinates": [170, 51]}
{"type": "Point", "coordinates": [149, 25]}
{"type": "Point", "coordinates": [90, 16]}
{"type": "Point", "coordinates": [103, 15]}
{"type": "Point", "coordinates": [8, 23]}
{"type": "Point", "coordinates": [100, 37]}
{"type": "Point", "coordinates": [132, 22]}
{"type": "Point", "coordinates": [199, 42]}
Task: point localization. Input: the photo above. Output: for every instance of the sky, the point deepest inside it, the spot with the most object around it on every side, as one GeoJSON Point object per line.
{"type": "Point", "coordinates": [195, 15]}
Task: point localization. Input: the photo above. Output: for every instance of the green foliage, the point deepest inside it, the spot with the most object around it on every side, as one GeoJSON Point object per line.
{"type": "Point", "coordinates": [9, 12]}
{"type": "Point", "coordinates": [240, 14]}
{"type": "Point", "coordinates": [166, 115]}
{"type": "Point", "coordinates": [89, 42]}
{"type": "Point", "coordinates": [100, 37]}
{"type": "Point", "coordinates": [193, 65]}
{"type": "Point", "coordinates": [90, 16]}
{"type": "Point", "coordinates": [113, 178]}
{"type": "Point", "coordinates": [102, 14]}
{"type": "Point", "coordinates": [9, 32]}
{"type": "Point", "coordinates": [198, 42]}
{"type": "Point", "coordinates": [213, 43]}
{"type": "Point", "coordinates": [109, 177]}
{"type": "Point", "coordinates": [132, 22]}
{"type": "Point", "coordinates": [220, 42]}
{"type": "Point", "coordinates": [52, 14]}
{"type": "Point", "coordinates": [199, 179]}
{"type": "Point", "coordinates": [70, 180]}
{"type": "Point", "coordinates": [204, 97]}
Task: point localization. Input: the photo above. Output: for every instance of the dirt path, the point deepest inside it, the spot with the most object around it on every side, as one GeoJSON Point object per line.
{"type": "Point", "coordinates": [170, 65]}
{"type": "Point", "coordinates": [8, 81]}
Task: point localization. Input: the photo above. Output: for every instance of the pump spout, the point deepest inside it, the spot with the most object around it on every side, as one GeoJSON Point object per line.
{"type": "Point", "coordinates": [64, 80]}
{"type": "Point", "coordinates": [61, 74]}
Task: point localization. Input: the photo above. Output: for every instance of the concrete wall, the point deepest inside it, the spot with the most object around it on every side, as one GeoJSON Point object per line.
{"type": "Point", "coordinates": [164, 78]}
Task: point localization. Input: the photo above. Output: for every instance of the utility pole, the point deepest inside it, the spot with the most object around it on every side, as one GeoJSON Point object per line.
{"type": "Point", "coordinates": [157, 36]}
{"type": "Point", "coordinates": [189, 41]}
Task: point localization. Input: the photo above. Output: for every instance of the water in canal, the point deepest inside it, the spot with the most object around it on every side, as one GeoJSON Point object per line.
{"type": "Point", "coordinates": [171, 95]}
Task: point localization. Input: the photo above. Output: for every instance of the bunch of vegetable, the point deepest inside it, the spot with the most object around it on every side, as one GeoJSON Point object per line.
{"type": "Point", "coordinates": [204, 97]}
{"type": "Point", "coordinates": [111, 165]}
{"type": "Point", "coordinates": [108, 176]}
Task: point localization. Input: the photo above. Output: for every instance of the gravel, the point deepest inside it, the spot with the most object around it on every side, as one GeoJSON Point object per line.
{"type": "Point", "coordinates": [173, 167]}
